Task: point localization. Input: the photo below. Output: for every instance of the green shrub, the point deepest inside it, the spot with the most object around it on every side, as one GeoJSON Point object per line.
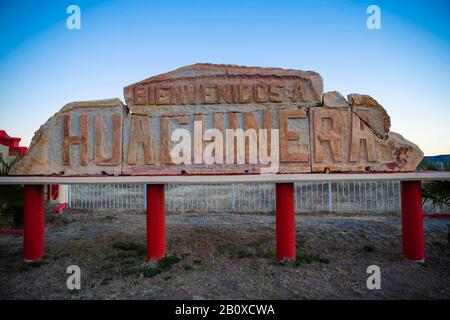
{"type": "Point", "coordinates": [436, 192]}
{"type": "Point", "coordinates": [11, 196]}
{"type": "Point", "coordinates": [5, 167]}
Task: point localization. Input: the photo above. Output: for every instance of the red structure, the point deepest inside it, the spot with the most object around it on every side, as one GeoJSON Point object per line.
{"type": "Point", "coordinates": [156, 222]}
{"type": "Point", "coordinates": [33, 222]}
{"type": "Point", "coordinates": [412, 220]}
{"type": "Point", "coordinates": [13, 144]}
{"type": "Point", "coordinates": [58, 209]}
{"type": "Point", "coordinates": [411, 206]}
{"type": "Point", "coordinates": [285, 221]}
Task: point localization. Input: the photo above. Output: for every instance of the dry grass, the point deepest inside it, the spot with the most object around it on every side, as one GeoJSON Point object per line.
{"type": "Point", "coordinates": [227, 256]}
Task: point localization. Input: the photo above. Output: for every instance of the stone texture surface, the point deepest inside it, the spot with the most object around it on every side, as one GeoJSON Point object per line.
{"type": "Point", "coordinates": [46, 153]}
{"type": "Point", "coordinates": [403, 154]}
{"type": "Point", "coordinates": [318, 132]}
{"type": "Point", "coordinates": [330, 139]}
{"type": "Point", "coordinates": [237, 117]}
{"type": "Point", "coordinates": [372, 112]}
{"type": "Point", "coordinates": [208, 84]}
{"type": "Point", "coordinates": [233, 92]}
{"type": "Point", "coordinates": [334, 99]}
{"type": "Point", "coordinates": [342, 141]}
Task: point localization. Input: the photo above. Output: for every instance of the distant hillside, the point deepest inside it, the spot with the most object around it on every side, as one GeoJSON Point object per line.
{"type": "Point", "coordinates": [440, 162]}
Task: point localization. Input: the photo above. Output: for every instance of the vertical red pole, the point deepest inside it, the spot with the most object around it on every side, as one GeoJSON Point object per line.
{"type": "Point", "coordinates": [156, 222]}
{"type": "Point", "coordinates": [285, 221]}
{"type": "Point", "coordinates": [33, 223]}
{"type": "Point", "coordinates": [412, 220]}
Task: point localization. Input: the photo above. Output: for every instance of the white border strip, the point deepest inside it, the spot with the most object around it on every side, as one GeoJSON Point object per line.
{"type": "Point", "coordinates": [193, 179]}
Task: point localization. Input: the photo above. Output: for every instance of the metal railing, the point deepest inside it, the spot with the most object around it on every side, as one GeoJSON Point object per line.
{"type": "Point", "coordinates": [118, 197]}
{"type": "Point", "coordinates": [351, 196]}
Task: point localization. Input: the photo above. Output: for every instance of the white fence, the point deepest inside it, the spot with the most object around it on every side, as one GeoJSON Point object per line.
{"type": "Point", "coordinates": [369, 196]}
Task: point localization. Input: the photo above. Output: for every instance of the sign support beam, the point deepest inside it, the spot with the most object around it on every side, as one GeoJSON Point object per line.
{"type": "Point", "coordinates": [412, 221]}
{"type": "Point", "coordinates": [285, 221]}
{"type": "Point", "coordinates": [33, 223]}
{"type": "Point", "coordinates": [156, 222]}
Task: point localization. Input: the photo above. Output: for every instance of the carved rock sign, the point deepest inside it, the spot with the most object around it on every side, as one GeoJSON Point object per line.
{"type": "Point", "coordinates": [220, 119]}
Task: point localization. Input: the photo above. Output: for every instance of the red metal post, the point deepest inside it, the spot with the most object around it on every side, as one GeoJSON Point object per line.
{"type": "Point", "coordinates": [285, 221]}
{"type": "Point", "coordinates": [156, 222]}
{"type": "Point", "coordinates": [33, 223]}
{"type": "Point", "coordinates": [412, 220]}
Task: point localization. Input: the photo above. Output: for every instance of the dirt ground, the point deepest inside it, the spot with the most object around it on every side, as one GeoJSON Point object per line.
{"type": "Point", "coordinates": [227, 256]}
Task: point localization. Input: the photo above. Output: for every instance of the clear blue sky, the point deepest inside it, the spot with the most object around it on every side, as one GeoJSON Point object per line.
{"type": "Point", "coordinates": [405, 65]}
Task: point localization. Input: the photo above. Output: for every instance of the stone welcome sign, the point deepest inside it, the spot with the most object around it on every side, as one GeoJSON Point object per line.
{"type": "Point", "coordinates": [220, 119]}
